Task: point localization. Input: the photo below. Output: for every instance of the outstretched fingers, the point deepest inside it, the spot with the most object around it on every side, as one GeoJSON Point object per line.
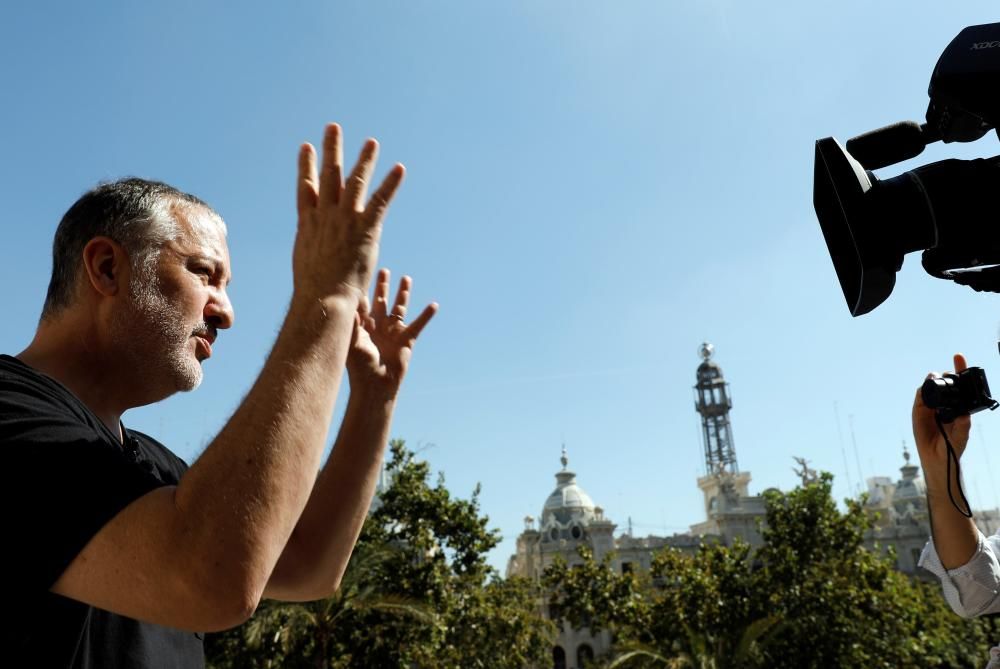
{"type": "Point", "coordinates": [307, 190]}
{"type": "Point", "coordinates": [332, 178]}
{"type": "Point", "coordinates": [379, 203]}
{"type": "Point", "coordinates": [356, 186]}
{"type": "Point", "coordinates": [381, 308]}
{"type": "Point", "coordinates": [414, 329]}
{"type": "Point", "coordinates": [402, 299]}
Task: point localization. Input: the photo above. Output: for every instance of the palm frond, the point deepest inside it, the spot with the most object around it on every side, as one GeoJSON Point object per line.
{"type": "Point", "coordinates": [754, 632]}
{"type": "Point", "coordinates": [636, 651]}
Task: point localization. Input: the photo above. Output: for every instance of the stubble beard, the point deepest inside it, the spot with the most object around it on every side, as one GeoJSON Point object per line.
{"type": "Point", "coordinates": [153, 337]}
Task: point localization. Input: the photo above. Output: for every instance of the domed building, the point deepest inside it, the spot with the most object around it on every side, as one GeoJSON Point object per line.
{"type": "Point", "coordinates": [569, 509]}
{"type": "Point", "coordinates": [570, 519]}
{"type": "Point", "coordinates": [902, 520]}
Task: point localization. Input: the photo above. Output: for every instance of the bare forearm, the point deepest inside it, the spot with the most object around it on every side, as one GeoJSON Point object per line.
{"type": "Point", "coordinates": [940, 445]}
{"type": "Point", "coordinates": [246, 492]}
{"type": "Point", "coordinates": [321, 546]}
{"type": "Point", "coordinates": [955, 535]}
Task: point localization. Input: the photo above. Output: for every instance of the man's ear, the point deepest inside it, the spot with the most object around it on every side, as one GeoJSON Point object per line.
{"type": "Point", "coordinates": [106, 266]}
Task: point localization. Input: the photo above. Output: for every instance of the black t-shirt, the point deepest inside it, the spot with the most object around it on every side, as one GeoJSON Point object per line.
{"type": "Point", "coordinates": [64, 476]}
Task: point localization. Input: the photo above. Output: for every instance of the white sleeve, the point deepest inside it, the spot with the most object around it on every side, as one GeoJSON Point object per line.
{"type": "Point", "coordinates": [974, 588]}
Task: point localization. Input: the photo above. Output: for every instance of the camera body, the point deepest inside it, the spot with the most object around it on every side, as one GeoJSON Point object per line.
{"type": "Point", "coordinates": [941, 208]}
{"type": "Point", "coordinates": [961, 394]}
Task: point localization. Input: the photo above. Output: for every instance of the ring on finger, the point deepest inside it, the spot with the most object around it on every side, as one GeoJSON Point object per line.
{"type": "Point", "coordinates": [398, 317]}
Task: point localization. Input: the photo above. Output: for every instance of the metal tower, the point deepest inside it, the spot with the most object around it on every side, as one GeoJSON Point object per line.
{"type": "Point", "coordinates": [712, 401]}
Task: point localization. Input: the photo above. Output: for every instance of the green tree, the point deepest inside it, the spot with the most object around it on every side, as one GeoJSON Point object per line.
{"type": "Point", "coordinates": [689, 610]}
{"type": "Point", "coordinates": [310, 634]}
{"type": "Point", "coordinates": [847, 606]}
{"type": "Point", "coordinates": [811, 596]}
{"type": "Point", "coordinates": [418, 592]}
{"type": "Point", "coordinates": [845, 600]}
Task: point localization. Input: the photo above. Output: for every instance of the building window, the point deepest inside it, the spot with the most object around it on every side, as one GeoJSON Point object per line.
{"type": "Point", "coordinates": [576, 532]}
{"type": "Point", "coordinates": [558, 658]}
{"type": "Point", "coordinates": [626, 568]}
{"type": "Point", "coordinates": [584, 656]}
{"type": "Point", "coordinates": [555, 611]}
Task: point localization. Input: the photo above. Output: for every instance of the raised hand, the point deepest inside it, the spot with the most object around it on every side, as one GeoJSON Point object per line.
{"type": "Point", "coordinates": [383, 343]}
{"type": "Point", "coordinates": [930, 444]}
{"type": "Point", "coordinates": [336, 248]}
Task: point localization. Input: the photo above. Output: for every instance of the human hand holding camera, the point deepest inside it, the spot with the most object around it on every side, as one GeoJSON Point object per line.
{"type": "Point", "coordinates": [941, 426]}
{"type": "Point", "coordinates": [931, 445]}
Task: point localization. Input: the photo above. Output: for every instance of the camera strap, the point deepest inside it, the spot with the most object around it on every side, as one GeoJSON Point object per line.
{"type": "Point", "coordinates": [958, 472]}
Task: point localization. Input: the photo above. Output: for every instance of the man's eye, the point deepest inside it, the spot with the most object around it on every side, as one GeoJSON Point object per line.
{"type": "Point", "coordinates": [205, 271]}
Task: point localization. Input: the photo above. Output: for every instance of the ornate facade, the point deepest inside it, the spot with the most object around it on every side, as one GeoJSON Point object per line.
{"type": "Point", "coordinates": [570, 518]}
{"type": "Point", "coordinates": [902, 520]}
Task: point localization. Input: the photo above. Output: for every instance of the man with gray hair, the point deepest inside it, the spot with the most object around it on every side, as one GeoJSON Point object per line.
{"type": "Point", "coordinates": [121, 555]}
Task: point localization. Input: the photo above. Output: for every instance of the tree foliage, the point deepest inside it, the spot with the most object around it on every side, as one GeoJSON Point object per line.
{"type": "Point", "coordinates": [417, 592]}
{"type": "Point", "coordinates": [811, 596]}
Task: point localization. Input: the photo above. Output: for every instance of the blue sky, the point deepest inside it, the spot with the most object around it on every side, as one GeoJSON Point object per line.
{"type": "Point", "coordinates": [593, 190]}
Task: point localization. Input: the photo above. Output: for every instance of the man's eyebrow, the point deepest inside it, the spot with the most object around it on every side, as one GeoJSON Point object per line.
{"type": "Point", "coordinates": [201, 257]}
{"type": "Point", "coordinates": [215, 261]}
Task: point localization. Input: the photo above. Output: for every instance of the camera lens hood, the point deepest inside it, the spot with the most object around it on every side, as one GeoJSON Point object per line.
{"type": "Point", "coordinates": [839, 187]}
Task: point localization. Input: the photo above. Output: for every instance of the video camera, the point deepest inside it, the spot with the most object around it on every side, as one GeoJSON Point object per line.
{"type": "Point", "coordinates": [949, 209]}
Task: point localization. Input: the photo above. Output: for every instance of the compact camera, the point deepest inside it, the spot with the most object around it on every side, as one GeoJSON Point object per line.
{"type": "Point", "coordinates": [961, 394]}
{"type": "Point", "coordinates": [948, 209]}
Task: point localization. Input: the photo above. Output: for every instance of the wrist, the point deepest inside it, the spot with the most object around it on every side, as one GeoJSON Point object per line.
{"type": "Point", "coordinates": [335, 307]}
{"type": "Point", "coordinates": [317, 330]}
{"type": "Point", "coordinates": [943, 501]}
{"type": "Point", "coordinates": [371, 396]}
{"type": "Point", "coordinates": [936, 482]}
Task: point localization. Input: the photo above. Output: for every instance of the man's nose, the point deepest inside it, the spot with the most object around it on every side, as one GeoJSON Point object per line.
{"type": "Point", "coordinates": [219, 311]}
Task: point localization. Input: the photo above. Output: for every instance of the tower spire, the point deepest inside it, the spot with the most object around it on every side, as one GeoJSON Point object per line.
{"type": "Point", "coordinates": [713, 402]}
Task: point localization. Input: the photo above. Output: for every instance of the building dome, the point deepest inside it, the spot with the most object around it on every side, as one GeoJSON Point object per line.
{"type": "Point", "coordinates": [568, 496]}
{"type": "Point", "coordinates": [914, 488]}
{"type": "Point", "coordinates": [569, 509]}
{"type": "Point", "coordinates": [910, 487]}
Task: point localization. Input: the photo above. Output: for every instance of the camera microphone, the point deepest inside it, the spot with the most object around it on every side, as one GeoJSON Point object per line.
{"type": "Point", "coordinates": [890, 145]}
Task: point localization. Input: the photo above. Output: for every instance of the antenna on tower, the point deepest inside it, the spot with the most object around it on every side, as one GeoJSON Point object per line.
{"type": "Point", "coordinates": [843, 449]}
{"type": "Point", "coordinates": [857, 458]}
